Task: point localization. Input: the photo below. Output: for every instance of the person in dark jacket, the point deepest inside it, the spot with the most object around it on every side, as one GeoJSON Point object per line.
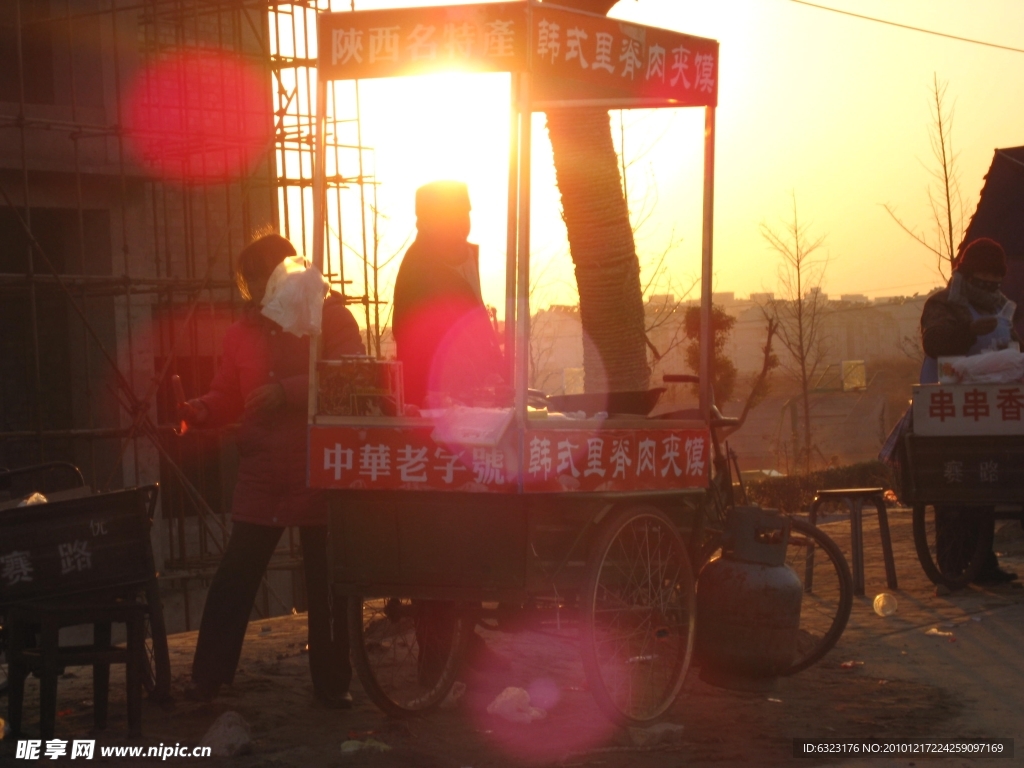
{"type": "Point", "coordinates": [969, 316]}
{"type": "Point", "coordinates": [263, 381]}
{"type": "Point", "coordinates": [442, 329]}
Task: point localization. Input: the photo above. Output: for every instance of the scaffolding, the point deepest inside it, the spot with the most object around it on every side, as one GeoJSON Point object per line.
{"type": "Point", "coordinates": [135, 162]}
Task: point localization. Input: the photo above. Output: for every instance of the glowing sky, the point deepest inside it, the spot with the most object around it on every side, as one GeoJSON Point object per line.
{"type": "Point", "coordinates": [833, 108]}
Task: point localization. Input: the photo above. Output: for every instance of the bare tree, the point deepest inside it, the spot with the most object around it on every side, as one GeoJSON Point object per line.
{"type": "Point", "coordinates": [799, 310]}
{"type": "Point", "coordinates": [949, 213]}
{"type": "Point", "coordinates": [761, 384]}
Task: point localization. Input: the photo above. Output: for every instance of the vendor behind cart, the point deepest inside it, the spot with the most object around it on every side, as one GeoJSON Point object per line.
{"type": "Point", "coordinates": [443, 331]}
{"type": "Point", "coordinates": [968, 317]}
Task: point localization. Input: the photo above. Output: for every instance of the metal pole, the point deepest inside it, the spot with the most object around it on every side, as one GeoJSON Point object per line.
{"type": "Point", "coordinates": [319, 189]}
{"type": "Point", "coordinates": [523, 288]}
{"type": "Point", "coordinates": [706, 263]}
{"type": "Point", "coordinates": [510, 248]}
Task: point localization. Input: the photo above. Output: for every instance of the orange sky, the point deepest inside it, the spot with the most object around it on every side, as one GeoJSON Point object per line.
{"type": "Point", "coordinates": [833, 108]}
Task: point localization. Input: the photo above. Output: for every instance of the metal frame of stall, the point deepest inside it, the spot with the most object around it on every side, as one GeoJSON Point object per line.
{"type": "Point", "coordinates": [550, 68]}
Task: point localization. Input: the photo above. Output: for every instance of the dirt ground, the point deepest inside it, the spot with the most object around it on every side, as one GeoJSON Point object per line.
{"type": "Point", "coordinates": [910, 685]}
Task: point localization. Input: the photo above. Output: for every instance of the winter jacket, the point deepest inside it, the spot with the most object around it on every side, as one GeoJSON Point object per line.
{"type": "Point", "coordinates": [443, 332]}
{"type": "Point", "coordinates": [946, 326]}
{"type": "Point", "coordinates": [271, 487]}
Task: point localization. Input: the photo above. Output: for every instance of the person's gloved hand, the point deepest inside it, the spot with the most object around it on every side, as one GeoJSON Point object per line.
{"type": "Point", "coordinates": [193, 412]}
{"type": "Point", "coordinates": [265, 399]}
{"type": "Point", "coordinates": [983, 325]}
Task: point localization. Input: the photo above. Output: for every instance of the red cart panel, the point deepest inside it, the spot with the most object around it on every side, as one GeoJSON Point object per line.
{"type": "Point", "coordinates": [552, 460]}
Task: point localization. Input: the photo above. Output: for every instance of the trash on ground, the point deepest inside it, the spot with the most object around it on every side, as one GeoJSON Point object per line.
{"type": "Point", "coordinates": [366, 745]}
{"type": "Point", "coordinates": [229, 736]}
{"type": "Point", "coordinates": [851, 664]}
{"type": "Point", "coordinates": [885, 604]}
{"type": "Point", "coordinates": [777, 701]}
{"type": "Point", "coordinates": [513, 704]}
{"type": "Point", "coordinates": [936, 632]}
{"type": "Point", "coordinates": [35, 498]}
{"type": "Point", "coordinates": [454, 695]}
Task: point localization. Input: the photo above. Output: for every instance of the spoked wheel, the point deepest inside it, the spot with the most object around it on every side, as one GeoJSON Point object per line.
{"type": "Point", "coordinates": [406, 652]}
{"type": "Point", "coordinates": [827, 592]}
{"type": "Point", "coordinates": [948, 557]}
{"type": "Point", "coordinates": [156, 671]}
{"type": "Point", "coordinates": [638, 615]}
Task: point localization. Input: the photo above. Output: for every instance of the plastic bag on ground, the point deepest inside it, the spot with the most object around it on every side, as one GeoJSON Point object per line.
{"type": "Point", "coordinates": [513, 704]}
{"type": "Point", "coordinates": [294, 298]}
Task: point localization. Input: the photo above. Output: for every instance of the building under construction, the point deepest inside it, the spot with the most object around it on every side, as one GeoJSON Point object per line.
{"type": "Point", "coordinates": [142, 144]}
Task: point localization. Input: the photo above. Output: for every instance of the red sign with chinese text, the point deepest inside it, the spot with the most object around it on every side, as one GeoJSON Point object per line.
{"type": "Point", "coordinates": [969, 409]}
{"type": "Point", "coordinates": [636, 60]}
{"type": "Point", "coordinates": [568, 51]}
{"type": "Point", "coordinates": [607, 460]}
{"type": "Point", "coordinates": [490, 37]}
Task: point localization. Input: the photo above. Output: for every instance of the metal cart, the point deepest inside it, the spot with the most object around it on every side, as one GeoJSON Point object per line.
{"type": "Point", "coordinates": [598, 518]}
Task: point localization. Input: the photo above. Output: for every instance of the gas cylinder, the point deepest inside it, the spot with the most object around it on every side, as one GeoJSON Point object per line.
{"type": "Point", "coordinates": [748, 604]}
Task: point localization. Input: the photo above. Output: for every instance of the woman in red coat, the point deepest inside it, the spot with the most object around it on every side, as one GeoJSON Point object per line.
{"type": "Point", "coordinates": [263, 383]}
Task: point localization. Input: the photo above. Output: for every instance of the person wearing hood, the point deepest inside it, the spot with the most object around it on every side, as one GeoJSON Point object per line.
{"type": "Point", "coordinates": [443, 331]}
{"type": "Point", "coordinates": [262, 383]}
{"type": "Point", "coordinates": [970, 316]}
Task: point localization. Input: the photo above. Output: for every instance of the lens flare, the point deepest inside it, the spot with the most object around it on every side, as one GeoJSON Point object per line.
{"type": "Point", "coordinates": [199, 118]}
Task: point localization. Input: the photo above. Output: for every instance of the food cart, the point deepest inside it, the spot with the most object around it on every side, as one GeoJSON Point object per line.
{"type": "Point", "coordinates": [443, 512]}
{"type": "Point", "coordinates": [966, 450]}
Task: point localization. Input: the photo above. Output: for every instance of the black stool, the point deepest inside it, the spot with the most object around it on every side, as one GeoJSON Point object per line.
{"type": "Point", "coordinates": [49, 658]}
{"type": "Point", "coordinates": [854, 498]}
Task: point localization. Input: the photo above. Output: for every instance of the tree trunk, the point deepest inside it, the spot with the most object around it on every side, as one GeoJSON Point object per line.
{"type": "Point", "coordinates": [601, 242]}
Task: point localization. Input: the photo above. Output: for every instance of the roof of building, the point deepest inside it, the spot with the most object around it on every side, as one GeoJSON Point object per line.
{"type": "Point", "coordinates": [1002, 199]}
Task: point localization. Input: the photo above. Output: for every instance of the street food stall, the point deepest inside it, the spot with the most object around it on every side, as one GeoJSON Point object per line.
{"type": "Point", "coordinates": [452, 512]}
{"type": "Point", "coordinates": [966, 449]}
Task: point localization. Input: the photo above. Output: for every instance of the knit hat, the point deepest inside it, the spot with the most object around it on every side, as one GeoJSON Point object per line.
{"type": "Point", "coordinates": [982, 255]}
{"type": "Point", "coordinates": [442, 200]}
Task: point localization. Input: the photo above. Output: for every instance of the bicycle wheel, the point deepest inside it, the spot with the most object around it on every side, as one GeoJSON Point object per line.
{"type": "Point", "coordinates": [406, 652]}
{"type": "Point", "coordinates": [945, 562]}
{"type": "Point", "coordinates": [638, 615]}
{"type": "Point", "coordinates": [827, 592]}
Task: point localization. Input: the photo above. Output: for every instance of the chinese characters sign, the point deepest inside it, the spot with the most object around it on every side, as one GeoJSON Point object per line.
{"type": "Point", "coordinates": [623, 58]}
{"type": "Point", "coordinates": [616, 460]}
{"type": "Point", "coordinates": [490, 37]}
{"type": "Point", "coordinates": [616, 59]}
{"type": "Point", "coordinates": [968, 409]}
{"type": "Point", "coordinates": [70, 546]}
{"type": "Point", "coordinates": [552, 460]}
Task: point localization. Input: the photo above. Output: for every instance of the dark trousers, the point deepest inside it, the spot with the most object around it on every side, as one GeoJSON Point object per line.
{"type": "Point", "coordinates": [956, 538]}
{"type": "Point", "coordinates": [230, 600]}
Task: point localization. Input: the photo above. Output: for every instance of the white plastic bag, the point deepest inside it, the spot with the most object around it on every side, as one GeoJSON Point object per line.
{"type": "Point", "coordinates": [513, 704]}
{"type": "Point", "coordinates": [294, 298]}
{"type": "Point", "coordinates": [1002, 367]}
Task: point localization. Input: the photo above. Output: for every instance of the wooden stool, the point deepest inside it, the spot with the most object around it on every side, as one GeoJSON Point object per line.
{"type": "Point", "coordinates": [854, 498]}
{"type": "Point", "coordinates": [49, 658]}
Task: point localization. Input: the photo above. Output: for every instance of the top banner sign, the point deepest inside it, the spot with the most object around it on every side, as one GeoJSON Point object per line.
{"type": "Point", "coordinates": [572, 55]}
{"type": "Point", "coordinates": [490, 37]}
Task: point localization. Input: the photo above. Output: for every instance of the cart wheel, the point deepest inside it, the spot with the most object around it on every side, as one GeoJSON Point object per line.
{"type": "Point", "coordinates": [827, 596]}
{"type": "Point", "coordinates": [927, 545]}
{"type": "Point", "coordinates": [406, 652]}
{"type": "Point", "coordinates": [156, 672]}
{"type": "Point", "coordinates": [638, 615]}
